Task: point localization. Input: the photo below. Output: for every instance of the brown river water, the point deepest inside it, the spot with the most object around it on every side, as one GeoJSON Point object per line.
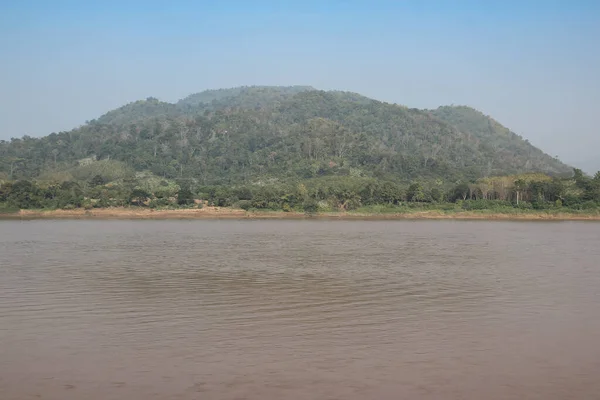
{"type": "Point", "coordinates": [210, 309]}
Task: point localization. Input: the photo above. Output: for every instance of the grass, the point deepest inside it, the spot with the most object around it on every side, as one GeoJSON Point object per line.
{"type": "Point", "coordinates": [4, 209]}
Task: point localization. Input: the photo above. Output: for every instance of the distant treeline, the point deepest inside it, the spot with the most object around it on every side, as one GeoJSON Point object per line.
{"type": "Point", "coordinates": [529, 191]}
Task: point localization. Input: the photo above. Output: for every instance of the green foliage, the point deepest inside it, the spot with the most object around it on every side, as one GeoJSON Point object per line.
{"type": "Point", "coordinates": [138, 197]}
{"type": "Point", "coordinates": [108, 170]}
{"type": "Point", "coordinates": [325, 194]}
{"type": "Point", "coordinates": [22, 194]}
{"type": "Point", "coordinates": [245, 204]}
{"type": "Point", "coordinates": [250, 135]}
{"type": "Point", "coordinates": [416, 193]}
{"type": "Point", "coordinates": [460, 192]}
{"type": "Point", "coordinates": [379, 209]}
{"type": "Point", "coordinates": [159, 203]}
{"type": "Point", "coordinates": [294, 148]}
{"type": "Point", "coordinates": [310, 206]}
{"type": "Point", "coordinates": [185, 196]}
{"type": "Point", "coordinates": [485, 204]}
{"type": "Point", "coordinates": [436, 195]}
{"type": "Point", "coordinates": [245, 97]}
{"type": "Point", "coordinates": [6, 209]}
{"type": "Point", "coordinates": [558, 203]}
{"type": "Point", "coordinates": [504, 151]}
{"type": "Point", "coordinates": [97, 180]}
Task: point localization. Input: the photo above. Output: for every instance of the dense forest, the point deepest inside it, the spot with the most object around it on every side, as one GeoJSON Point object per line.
{"type": "Point", "coordinates": [285, 148]}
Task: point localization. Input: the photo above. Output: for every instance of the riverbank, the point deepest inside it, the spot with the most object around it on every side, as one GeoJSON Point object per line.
{"type": "Point", "coordinates": [230, 213]}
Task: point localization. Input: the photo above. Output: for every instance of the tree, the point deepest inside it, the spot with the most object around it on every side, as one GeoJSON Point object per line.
{"type": "Point", "coordinates": [416, 192]}
{"type": "Point", "coordinates": [460, 191]}
{"type": "Point", "coordinates": [5, 191]}
{"type": "Point", "coordinates": [581, 181]}
{"type": "Point", "coordinates": [592, 191]}
{"type": "Point", "coordinates": [387, 193]}
{"type": "Point", "coordinates": [520, 186]}
{"type": "Point", "coordinates": [24, 194]}
{"type": "Point", "coordinates": [138, 197]}
{"type": "Point", "coordinates": [555, 190]}
{"type": "Point", "coordinates": [243, 193]}
{"type": "Point", "coordinates": [277, 134]}
{"type": "Point", "coordinates": [436, 195]}
{"type": "Point", "coordinates": [578, 175]}
{"type": "Point", "coordinates": [185, 196]}
{"type": "Point", "coordinates": [310, 206]}
{"type": "Point", "coordinates": [97, 180]}
{"type": "Point", "coordinates": [245, 204]}
{"type": "Point", "coordinates": [14, 163]}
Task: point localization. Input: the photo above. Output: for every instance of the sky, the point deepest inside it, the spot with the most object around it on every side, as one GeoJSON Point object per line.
{"type": "Point", "coordinates": [532, 65]}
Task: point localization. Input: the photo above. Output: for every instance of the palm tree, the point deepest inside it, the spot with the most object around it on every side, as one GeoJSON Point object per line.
{"type": "Point", "coordinates": [520, 186]}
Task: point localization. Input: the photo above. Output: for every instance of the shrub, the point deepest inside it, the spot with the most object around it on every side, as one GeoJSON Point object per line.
{"type": "Point", "coordinates": [245, 204]}
{"type": "Point", "coordinates": [589, 205]}
{"type": "Point", "coordinates": [101, 203]}
{"type": "Point", "coordinates": [159, 203]}
{"type": "Point", "coordinates": [471, 205]}
{"type": "Point", "coordinates": [524, 206]}
{"type": "Point", "coordinates": [541, 205]}
{"type": "Point", "coordinates": [572, 201]}
{"type": "Point", "coordinates": [185, 197]}
{"type": "Point", "coordinates": [324, 206]}
{"type": "Point", "coordinates": [272, 205]}
{"type": "Point", "coordinates": [310, 206]}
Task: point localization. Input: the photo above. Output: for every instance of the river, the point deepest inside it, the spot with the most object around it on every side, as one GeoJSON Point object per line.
{"type": "Point", "coordinates": [228, 309]}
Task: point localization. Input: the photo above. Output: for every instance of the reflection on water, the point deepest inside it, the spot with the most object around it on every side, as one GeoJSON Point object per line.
{"type": "Point", "coordinates": [299, 310]}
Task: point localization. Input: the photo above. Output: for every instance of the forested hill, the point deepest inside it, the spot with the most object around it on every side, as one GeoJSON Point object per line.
{"type": "Point", "coordinates": [497, 138]}
{"type": "Point", "coordinates": [247, 97]}
{"type": "Point", "coordinates": [259, 134]}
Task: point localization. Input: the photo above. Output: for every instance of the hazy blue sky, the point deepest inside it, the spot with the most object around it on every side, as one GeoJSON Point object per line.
{"type": "Point", "coordinates": [532, 65]}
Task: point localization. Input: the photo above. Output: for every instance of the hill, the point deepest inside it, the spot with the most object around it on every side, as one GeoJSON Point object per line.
{"type": "Point", "coordinates": [511, 149]}
{"type": "Point", "coordinates": [248, 97]}
{"type": "Point", "coordinates": [265, 134]}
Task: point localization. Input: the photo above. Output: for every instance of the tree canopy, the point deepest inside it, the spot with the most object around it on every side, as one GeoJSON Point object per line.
{"type": "Point", "coordinates": [288, 148]}
{"type": "Point", "coordinates": [261, 134]}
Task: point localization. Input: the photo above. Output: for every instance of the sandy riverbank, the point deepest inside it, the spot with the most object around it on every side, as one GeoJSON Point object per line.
{"type": "Point", "coordinates": [229, 213]}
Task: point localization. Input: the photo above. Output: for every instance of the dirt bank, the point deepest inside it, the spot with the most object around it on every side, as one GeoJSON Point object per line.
{"type": "Point", "coordinates": [229, 213]}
